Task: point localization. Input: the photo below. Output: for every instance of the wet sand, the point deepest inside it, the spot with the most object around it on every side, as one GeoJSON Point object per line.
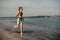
{"type": "Point", "coordinates": [6, 33]}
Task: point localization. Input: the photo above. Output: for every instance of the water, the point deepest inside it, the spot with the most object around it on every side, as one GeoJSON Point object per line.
{"type": "Point", "coordinates": [37, 28]}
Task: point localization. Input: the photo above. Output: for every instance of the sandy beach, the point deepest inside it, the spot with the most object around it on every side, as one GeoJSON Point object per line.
{"type": "Point", "coordinates": [7, 35]}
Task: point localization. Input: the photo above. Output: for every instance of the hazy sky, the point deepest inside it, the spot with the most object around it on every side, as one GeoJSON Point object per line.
{"type": "Point", "coordinates": [31, 7]}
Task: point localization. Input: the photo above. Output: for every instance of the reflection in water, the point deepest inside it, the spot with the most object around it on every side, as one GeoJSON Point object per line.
{"type": "Point", "coordinates": [20, 37]}
{"type": "Point", "coordinates": [15, 36]}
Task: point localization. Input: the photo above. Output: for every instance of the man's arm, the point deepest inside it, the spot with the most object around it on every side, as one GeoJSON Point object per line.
{"type": "Point", "coordinates": [17, 15]}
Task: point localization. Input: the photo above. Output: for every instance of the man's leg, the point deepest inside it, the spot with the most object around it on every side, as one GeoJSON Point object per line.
{"type": "Point", "coordinates": [17, 25]}
{"type": "Point", "coordinates": [21, 28]}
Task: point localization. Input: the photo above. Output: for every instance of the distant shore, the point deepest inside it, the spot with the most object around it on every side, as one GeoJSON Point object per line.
{"type": "Point", "coordinates": [43, 17]}
{"type": "Point", "coordinates": [36, 17]}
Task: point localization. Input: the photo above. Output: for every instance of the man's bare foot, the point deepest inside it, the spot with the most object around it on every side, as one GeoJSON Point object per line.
{"type": "Point", "coordinates": [21, 33]}
{"type": "Point", "coordinates": [15, 27]}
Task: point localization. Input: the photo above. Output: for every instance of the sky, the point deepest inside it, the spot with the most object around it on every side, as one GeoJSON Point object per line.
{"type": "Point", "coordinates": [9, 8]}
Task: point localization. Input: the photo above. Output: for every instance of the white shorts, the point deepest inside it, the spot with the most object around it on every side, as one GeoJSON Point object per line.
{"type": "Point", "coordinates": [19, 21]}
